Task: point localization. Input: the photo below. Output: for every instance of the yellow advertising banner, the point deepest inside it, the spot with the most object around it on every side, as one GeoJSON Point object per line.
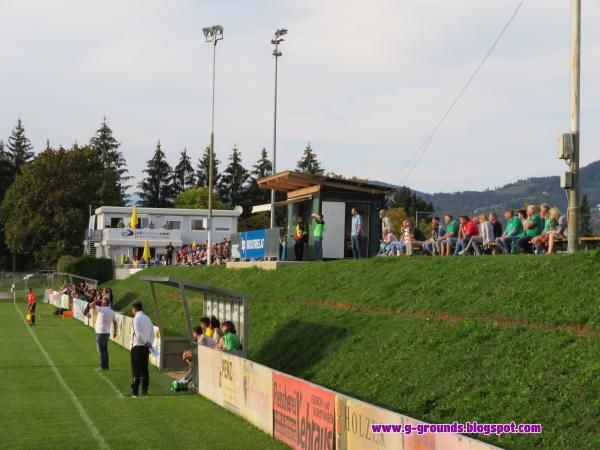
{"type": "Point", "coordinates": [209, 374]}
{"type": "Point", "coordinates": [353, 426]}
{"type": "Point", "coordinates": [256, 401]}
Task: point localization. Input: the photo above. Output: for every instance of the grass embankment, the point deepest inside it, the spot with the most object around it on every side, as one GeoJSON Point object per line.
{"type": "Point", "coordinates": [487, 339]}
{"type": "Point", "coordinates": [37, 411]}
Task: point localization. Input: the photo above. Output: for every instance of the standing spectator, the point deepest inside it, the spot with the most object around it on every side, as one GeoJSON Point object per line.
{"type": "Point", "coordinates": [151, 225]}
{"type": "Point", "coordinates": [496, 225]}
{"type": "Point", "coordinates": [105, 316]}
{"type": "Point", "coordinates": [31, 305]}
{"type": "Point", "coordinates": [356, 234]}
{"type": "Point", "coordinates": [169, 248]}
{"type": "Point", "coordinates": [385, 222]}
{"type": "Point", "coordinates": [533, 227]}
{"type": "Point", "coordinates": [142, 338]}
{"type": "Point", "coordinates": [301, 237]}
{"type": "Point", "coordinates": [120, 224]}
{"type": "Point", "coordinates": [318, 235]}
{"type": "Point", "coordinates": [450, 236]}
{"type": "Point", "coordinates": [512, 231]}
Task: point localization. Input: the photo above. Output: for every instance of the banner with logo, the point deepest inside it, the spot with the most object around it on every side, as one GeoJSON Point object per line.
{"type": "Point", "coordinates": [209, 374]}
{"type": "Point", "coordinates": [155, 355]}
{"type": "Point", "coordinates": [78, 309]}
{"type": "Point", "coordinates": [353, 425]}
{"type": "Point", "coordinates": [303, 414]}
{"type": "Point", "coordinates": [231, 381]}
{"type": "Point", "coordinates": [64, 301]}
{"type": "Point", "coordinates": [252, 244]}
{"type": "Point", "coordinates": [126, 335]}
{"type": "Point", "coordinates": [256, 402]}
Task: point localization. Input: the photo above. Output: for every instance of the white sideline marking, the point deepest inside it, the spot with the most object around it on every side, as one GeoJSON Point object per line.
{"type": "Point", "coordinates": [111, 384]}
{"type": "Point", "coordinates": [88, 421]}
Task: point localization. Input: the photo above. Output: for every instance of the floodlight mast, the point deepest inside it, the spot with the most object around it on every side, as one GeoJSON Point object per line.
{"type": "Point", "coordinates": [277, 39]}
{"type": "Point", "coordinates": [212, 35]}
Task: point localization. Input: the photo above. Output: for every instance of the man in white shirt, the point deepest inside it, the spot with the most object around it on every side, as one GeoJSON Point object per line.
{"type": "Point", "coordinates": [105, 317]}
{"type": "Point", "coordinates": [142, 338]}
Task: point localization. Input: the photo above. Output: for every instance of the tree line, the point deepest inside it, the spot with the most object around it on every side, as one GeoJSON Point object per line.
{"type": "Point", "coordinates": [45, 198]}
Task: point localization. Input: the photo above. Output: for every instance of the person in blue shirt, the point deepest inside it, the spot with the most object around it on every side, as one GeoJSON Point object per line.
{"type": "Point", "coordinates": [356, 234]}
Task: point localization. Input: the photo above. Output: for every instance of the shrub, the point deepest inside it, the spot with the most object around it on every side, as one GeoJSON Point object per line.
{"type": "Point", "coordinates": [100, 269]}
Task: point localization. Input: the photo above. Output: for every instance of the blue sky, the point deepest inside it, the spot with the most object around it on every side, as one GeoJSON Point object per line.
{"type": "Point", "coordinates": [364, 82]}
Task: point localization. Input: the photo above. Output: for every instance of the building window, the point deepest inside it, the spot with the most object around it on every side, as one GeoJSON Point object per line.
{"type": "Point", "coordinates": [223, 229]}
{"type": "Point", "coordinates": [198, 225]}
{"type": "Point", "coordinates": [173, 225]}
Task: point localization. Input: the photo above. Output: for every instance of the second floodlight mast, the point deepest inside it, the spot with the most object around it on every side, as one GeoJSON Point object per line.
{"type": "Point", "coordinates": [277, 39]}
{"type": "Point", "coordinates": [213, 35]}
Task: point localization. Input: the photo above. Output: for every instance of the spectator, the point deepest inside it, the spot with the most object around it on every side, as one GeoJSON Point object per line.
{"type": "Point", "coordinates": [468, 229]}
{"type": "Point", "coordinates": [448, 239]}
{"type": "Point", "coordinates": [318, 235]}
{"type": "Point", "coordinates": [496, 225]}
{"type": "Point", "coordinates": [356, 234]}
{"type": "Point", "coordinates": [533, 227]}
{"type": "Point", "coordinates": [120, 224]}
{"type": "Point", "coordinates": [105, 316]}
{"type": "Point", "coordinates": [230, 341]}
{"type": "Point", "coordinates": [141, 343]}
{"type": "Point", "coordinates": [512, 232]}
{"type": "Point", "coordinates": [432, 245]}
{"type": "Point", "coordinates": [522, 215]}
{"type": "Point", "coordinates": [301, 238]}
{"type": "Point", "coordinates": [151, 225]}
{"type": "Point", "coordinates": [485, 236]}
{"type": "Point", "coordinates": [169, 248]}
{"type": "Point", "coordinates": [385, 222]}
{"type": "Point", "coordinates": [188, 355]}
{"type": "Point", "coordinates": [560, 231]}
{"type": "Point", "coordinates": [404, 245]}
{"type": "Point", "coordinates": [216, 327]}
{"type": "Point", "coordinates": [386, 243]}
{"type": "Point", "coordinates": [205, 327]}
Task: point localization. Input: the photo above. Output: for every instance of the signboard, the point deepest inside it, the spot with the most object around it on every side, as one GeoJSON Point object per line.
{"type": "Point", "coordinates": [160, 235]}
{"type": "Point", "coordinates": [252, 244]}
{"type": "Point", "coordinates": [256, 402]}
{"type": "Point", "coordinates": [414, 441]}
{"type": "Point", "coordinates": [78, 309]}
{"type": "Point", "coordinates": [155, 355]}
{"type": "Point", "coordinates": [64, 301]}
{"type": "Point", "coordinates": [209, 374]}
{"type": "Point", "coordinates": [231, 382]}
{"type": "Point", "coordinates": [353, 425]}
{"type": "Point", "coordinates": [126, 335]}
{"type": "Point", "coordinates": [303, 414]}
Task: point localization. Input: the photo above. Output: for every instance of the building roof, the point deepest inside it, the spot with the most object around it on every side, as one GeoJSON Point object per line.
{"type": "Point", "coordinates": [296, 183]}
{"type": "Point", "coordinates": [126, 210]}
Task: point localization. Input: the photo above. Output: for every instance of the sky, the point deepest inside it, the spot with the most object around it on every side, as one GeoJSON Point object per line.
{"type": "Point", "coordinates": [363, 82]}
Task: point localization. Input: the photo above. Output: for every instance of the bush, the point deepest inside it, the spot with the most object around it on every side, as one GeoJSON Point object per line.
{"type": "Point", "coordinates": [100, 269]}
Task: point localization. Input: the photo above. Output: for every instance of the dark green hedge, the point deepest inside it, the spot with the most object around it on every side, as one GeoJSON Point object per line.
{"type": "Point", "coordinates": [100, 269]}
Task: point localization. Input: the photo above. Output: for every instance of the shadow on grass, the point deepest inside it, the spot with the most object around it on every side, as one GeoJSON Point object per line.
{"type": "Point", "coordinates": [298, 346]}
{"type": "Point", "coordinates": [123, 303]}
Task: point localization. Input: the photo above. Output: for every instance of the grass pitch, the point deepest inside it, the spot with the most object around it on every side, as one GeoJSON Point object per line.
{"type": "Point", "coordinates": [53, 398]}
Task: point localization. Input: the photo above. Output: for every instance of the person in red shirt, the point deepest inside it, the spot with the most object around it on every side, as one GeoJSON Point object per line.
{"type": "Point", "coordinates": [31, 305]}
{"type": "Point", "coordinates": [468, 229]}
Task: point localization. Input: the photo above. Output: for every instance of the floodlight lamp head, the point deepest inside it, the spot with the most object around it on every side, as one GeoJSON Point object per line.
{"type": "Point", "coordinates": [213, 34]}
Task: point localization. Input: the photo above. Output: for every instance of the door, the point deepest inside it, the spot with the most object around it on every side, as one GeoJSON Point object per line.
{"type": "Point", "coordinates": [334, 215]}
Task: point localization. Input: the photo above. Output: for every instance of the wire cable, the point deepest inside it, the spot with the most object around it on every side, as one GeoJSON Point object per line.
{"type": "Point", "coordinates": [425, 146]}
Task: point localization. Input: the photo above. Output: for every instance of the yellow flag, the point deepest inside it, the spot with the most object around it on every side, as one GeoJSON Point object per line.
{"type": "Point", "coordinates": [134, 219]}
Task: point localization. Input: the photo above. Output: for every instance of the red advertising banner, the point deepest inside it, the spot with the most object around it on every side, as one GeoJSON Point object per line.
{"type": "Point", "coordinates": [303, 414]}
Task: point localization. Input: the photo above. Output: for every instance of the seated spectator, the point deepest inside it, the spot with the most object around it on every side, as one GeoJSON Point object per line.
{"type": "Point", "coordinates": [560, 232]}
{"type": "Point", "coordinates": [418, 238]}
{"type": "Point", "coordinates": [496, 225]}
{"type": "Point", "coordinates": [120, 224]}
{"type": "Point", "coordinates": [484, 237]}
{"type": "Point", "coordinates": [468, 229]}
{"type": "Point", "coordinates": [432, 245]}
{"type": "Point", "coordinates": [512, 232]}
{"type": "Point", "coordinates": [206, 328]}
{"type": "Point", "coordinates": [386, 243]}
{"type": "Point", "coordinates": [552, 230]}
{"type": "Point", "coordinates": [448, 239]}
{"type": "Point", "coordinates": [216, 327]}
{"type": "Point", "coordinates": [404, 245]}
{"type": "Point", "coordinates": [533, 227]}
{"type": "Point", "coordinates": [522, 215]}
{"type": "Point", "coordinates": [230, 340]}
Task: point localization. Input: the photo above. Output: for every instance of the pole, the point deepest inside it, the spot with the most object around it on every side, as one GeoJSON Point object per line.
{"type": "Point", "coordinates": [210, 161]}
{"type": "Point", "coordinates": [573, 211]}
{"type": "Point", "coordinates": [274, 141]}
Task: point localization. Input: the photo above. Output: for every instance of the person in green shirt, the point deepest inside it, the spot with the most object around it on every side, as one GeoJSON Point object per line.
{"type": "Point", "coordinates": [534, 226]}
{"type": "Point", "coordinates": [512, 232]}
{"type": "Point", "coordinates": [318, 228]}
{"type": "Point", "coordinates": [230, 340]}
{"type": "Point", "coordinates": [450, 237]}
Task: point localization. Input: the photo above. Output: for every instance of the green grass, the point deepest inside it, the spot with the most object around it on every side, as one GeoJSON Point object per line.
{"type": "Point", "coordinates": [38, 413]}
{"type": "Point", "coordinates": [486, 339]}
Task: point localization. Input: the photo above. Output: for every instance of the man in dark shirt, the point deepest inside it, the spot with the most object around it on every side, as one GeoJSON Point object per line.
{"type": "Point", "coordinates": [169, 248]}
{"type": "Point", "coordinates": [496, 225]}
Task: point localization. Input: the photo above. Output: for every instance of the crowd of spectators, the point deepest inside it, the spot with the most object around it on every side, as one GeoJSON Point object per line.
{"type": "Point", "coordinates": [532, 230]}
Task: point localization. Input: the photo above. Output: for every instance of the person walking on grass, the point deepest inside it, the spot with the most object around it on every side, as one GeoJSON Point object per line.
{"type": "Point", "coordinates": [31, 306]}
{"type": "Point", "coordinates": [356, 234]}
{"type": "Point", "coordinates": [105, 316]}
{"type": "Point", "coordinates": [142, 338]}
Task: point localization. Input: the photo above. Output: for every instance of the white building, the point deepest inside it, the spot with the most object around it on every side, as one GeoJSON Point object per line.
{"type": "Point", "coordinates": [157, 225]}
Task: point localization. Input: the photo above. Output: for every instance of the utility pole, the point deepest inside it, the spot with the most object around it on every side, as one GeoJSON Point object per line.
{"type": "Point", "coordinates": [573, 211]}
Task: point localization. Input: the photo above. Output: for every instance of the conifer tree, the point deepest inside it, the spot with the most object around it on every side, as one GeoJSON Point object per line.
{"type": "Point", "coordinates": [309, 162]}
{"type": "Point", "coordinates": [183, 174]}
{"type": "Point", "coordinates": [585, 227]}
{"type": "Point", "coordinates": [203, 167]}
{"type": "Point", "coordinates": [232, 186]}
{"type": "Point", "coordinates": [261, 169]}
{"type": "Point", "coordinates": [18, 149]}
{"type": "Point", "coordinates": [157, 186]}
